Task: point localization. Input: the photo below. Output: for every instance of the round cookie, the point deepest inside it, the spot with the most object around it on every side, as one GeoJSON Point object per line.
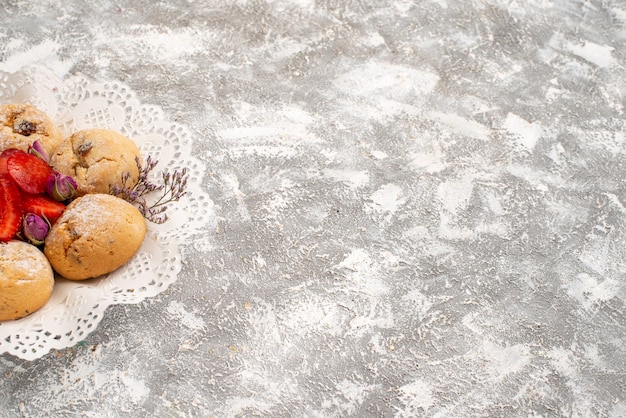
{"type": "Point", "coordinates": [26, 279]}
{"type": "Point", "coordinates": [22, 124]}
{"type": "Point", "coordinates": [96, 159]}
{"type": "Point", "coordinates": [96, 235]}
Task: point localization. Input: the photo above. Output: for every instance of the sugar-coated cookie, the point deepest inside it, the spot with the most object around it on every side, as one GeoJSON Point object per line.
{"type": "Point", "coordinates": [96, 235]}
{"type": "Point", "coordinates": [22, 124]}
{"type": "Point", "coordinates": [96, 159]}
{"type": "Point", "coordinates": [26, 279]}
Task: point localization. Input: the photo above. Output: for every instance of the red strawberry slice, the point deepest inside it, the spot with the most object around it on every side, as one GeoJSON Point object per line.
{"type": "Point", "coordinates": [42, 205]}
{"type": "Point", "coordinates": [10, 209]}
{"type": "Point", "coordinates": [4, 157]}
{"type": "Point", "coordinates": [29, 172]}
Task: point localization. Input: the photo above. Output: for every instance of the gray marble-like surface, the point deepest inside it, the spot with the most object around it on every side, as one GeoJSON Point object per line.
{"type": "Point", "coordinates": [421, 209]}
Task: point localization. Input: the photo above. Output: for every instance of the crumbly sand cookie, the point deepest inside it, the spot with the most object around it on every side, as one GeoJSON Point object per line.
{"type": "Point", "coordinates": [26, 279]}
{"type": "Point", "coordinates": [22, 124]}
{"type": "Point", "coordinates": [96, 235]}
{"type": "Point", "coordinates": [96, 159]}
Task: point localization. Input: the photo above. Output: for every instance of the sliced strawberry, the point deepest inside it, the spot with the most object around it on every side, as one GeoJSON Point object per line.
{"type": "Point", "coordinates": [11, 151]}
{"type": "Point", "coordinates": [4, 157]}
{"type": "Point", "coordinates": [29, 172]}
{"type": "Point", "coordinates": [42, 205]}
{"type": "Point", "coordinates": [10, 209]}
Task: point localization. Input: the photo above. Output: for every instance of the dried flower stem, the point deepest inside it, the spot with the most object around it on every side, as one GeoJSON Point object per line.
{"type": "Point", "coordinates": [171, 190]}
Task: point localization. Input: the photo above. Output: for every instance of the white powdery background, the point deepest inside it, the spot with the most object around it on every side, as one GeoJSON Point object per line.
{"type": "Point", "coordinates": [421, 212]}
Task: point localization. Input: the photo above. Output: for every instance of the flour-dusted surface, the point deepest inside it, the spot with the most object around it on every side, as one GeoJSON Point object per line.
{"type": "Point", "coordinates": [419, 209]}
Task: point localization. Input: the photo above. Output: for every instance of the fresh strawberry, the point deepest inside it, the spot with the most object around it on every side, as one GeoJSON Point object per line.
{"type": "Point", "coordinates": [29, 172]}
{"type": "Point", "coordinates": [4, 157]}
{"type": "Point", "coordinates": [42, 205]}
{"type": "Point", "coordinates": [10, 209]}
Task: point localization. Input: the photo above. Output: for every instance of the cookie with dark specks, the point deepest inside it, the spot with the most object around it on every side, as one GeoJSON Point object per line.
{"type": "Point", "coordinates": [22, 124]}
{"type": "Point", "coordinates": [97, 234]}
{"type": "Point", "coordinates": [96, 159]}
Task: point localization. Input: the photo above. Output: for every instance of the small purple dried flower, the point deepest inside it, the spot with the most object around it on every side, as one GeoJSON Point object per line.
{"type": "Point", "coordinates": [35, 228]}
{"type": "Point", "coordinates": [172, 189]}
{"type": "Point", "coordinates": [38, 150]}
{"type": "Point", "coordinates": [61, 187]}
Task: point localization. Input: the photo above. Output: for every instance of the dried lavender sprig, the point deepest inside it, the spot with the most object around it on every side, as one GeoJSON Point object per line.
{"type": "Point", "coordinates": [173, 185]}
{"type": "Point", "coordinates": [172, 189]}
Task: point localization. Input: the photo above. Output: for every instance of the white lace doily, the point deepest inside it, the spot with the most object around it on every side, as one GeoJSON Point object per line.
{"type": "Point", "coordinates": [76, 308]}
